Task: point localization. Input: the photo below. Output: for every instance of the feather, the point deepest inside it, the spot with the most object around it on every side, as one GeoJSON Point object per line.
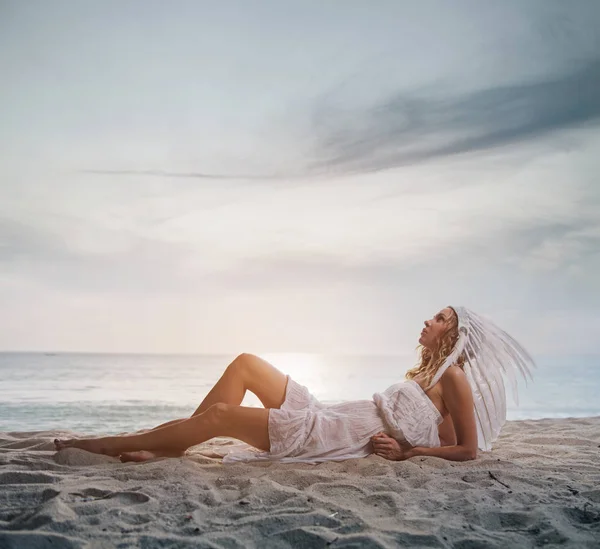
{"type": "Point", "coordinates": [491, 355]}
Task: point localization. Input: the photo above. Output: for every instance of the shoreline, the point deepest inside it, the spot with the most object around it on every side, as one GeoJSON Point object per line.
{"type": "Point", "coordinates": [540, 485]}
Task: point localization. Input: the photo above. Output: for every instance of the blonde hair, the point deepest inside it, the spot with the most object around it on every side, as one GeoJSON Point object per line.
{"type": "Point", "coordinates": [432, 360]}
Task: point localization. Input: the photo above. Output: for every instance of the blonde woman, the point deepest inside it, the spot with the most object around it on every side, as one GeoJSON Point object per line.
{"type": "Point", "coordinates": [450, 404]}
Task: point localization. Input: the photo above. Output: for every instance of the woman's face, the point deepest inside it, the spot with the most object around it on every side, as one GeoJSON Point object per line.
{"type": "Point", "coordinates": [435, 328]}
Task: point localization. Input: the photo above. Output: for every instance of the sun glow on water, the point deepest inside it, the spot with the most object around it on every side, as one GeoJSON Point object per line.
{"type": "Point", "coordinates": [306, 369]}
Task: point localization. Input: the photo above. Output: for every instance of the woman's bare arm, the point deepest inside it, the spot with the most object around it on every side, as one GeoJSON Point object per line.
{"type": "Point", "coordinates": [459, 401]}
{"type": "Point", "coordinates": [453, 453]}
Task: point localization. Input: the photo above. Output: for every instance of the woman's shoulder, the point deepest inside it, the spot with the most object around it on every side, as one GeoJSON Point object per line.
{"type": "Point", "coordinates": [453, 375]}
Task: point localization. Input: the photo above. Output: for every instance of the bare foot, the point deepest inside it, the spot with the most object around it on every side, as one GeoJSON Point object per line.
{"type": "Point", "coordinates": [94, 445]}
{"type": "Point", "coordinates": [145, 455]}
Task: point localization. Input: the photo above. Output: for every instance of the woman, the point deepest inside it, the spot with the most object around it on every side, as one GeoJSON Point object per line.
{"type": "Point", "coordinates": [432, 413]}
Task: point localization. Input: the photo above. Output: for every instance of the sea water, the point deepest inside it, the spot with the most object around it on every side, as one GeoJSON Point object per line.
{"type": "Point", "coordinates": [103, 393]}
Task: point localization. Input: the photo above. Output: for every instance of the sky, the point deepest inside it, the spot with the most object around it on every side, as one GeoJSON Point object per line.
{"type": "Point", "coordinates": [276, 176]}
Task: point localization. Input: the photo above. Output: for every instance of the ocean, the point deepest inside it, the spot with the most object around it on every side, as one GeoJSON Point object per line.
{"type": "Point", "coordinates": [103, 393]}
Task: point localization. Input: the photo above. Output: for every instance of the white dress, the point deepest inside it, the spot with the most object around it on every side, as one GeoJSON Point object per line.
{"type": "Point", "coordinates": [306, 430]}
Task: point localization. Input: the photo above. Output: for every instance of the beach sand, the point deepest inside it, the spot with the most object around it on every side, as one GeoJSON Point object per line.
{"type": "Point", "coordinates": [540, 486]}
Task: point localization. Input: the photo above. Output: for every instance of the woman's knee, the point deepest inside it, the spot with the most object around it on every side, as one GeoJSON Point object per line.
{"type": "Point", "coordinates": [243, 363]}
{"type": "Point", "coordinates": [246, 358]}
{"type": "Point", "coordinates": [218, 412]}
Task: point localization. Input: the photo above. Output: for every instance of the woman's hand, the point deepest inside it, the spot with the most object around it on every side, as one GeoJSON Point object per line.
{"type": "Point", "coordinates": [388, 447]}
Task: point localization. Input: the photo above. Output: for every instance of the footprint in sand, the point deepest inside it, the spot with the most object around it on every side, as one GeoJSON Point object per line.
{"type": "Point", "coordinates": [509, 521]}
{"type": "Point", "coordinates": [24, 477]}
{"type": "Point", "coordinates": [45, 540]}
{"type": "Point", "coordinates": [550, 536]}
{"type": "Point", "coordinates": [481, 478]}
{"type": "Point", "coordinates": [95, 494]}
{"type": "Point", "coordinates": [271, 524]}
{"type": "Point", "coordinates": [592, 495]}
{"type": "Point", "coordinates": [343, 492]}
{"type": "Point", "coordinates": [381, 505]}
{"type": "Point", "coordinates": [584, 515]}
{"type": "Point", "coordinates": [305, 537]}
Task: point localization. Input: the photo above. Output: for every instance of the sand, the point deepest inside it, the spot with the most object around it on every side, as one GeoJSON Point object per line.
{"type": "Point", "coordinates": [540, 486]}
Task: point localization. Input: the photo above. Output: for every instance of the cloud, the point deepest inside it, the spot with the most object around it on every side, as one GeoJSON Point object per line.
{"type": "Point", "coordinates": [20, 241]}
{"type": "Point", "coordinates": [186, 242]}
{"type": "Point", "coordinates": [556, 247]}
{"type": "Point", "coordinates": [191, 175]}
{"type": "Point", "coordinates": [408, 128]}
{"type": "Point", "coordinates": [103, 261]}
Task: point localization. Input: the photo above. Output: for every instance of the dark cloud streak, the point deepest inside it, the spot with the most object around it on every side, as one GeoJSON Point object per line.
{"type": "Point", "coordinates": [191, 175]}
{"type": "Point", "coordinates": [407, 129]}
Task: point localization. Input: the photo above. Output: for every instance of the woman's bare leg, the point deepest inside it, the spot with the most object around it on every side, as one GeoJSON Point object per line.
{"type": "Point", "coordinates": [166, 424]}
{"type": "Point", "coordinates": [246, 373]}
{"type": "Point", "coordinates": [145, 455]}
{"type": "Point", "coordinates": [247, 424]}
